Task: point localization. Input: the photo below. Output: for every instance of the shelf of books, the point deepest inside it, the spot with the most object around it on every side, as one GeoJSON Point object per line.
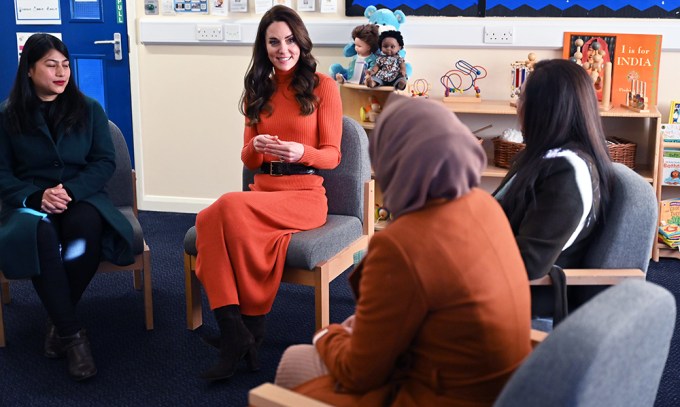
{"type": "Point", "coordinates": [669, 207]}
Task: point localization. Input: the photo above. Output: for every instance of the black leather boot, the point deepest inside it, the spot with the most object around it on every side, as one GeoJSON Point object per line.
{"type": "Point", "coordinates": [79, 355]}
{"type": "Point", "coordinates": [235, 342]}
{"type": "Point", "coordinates": [256, 326]}
{"type": "Point", "coordinates": [53, 348]}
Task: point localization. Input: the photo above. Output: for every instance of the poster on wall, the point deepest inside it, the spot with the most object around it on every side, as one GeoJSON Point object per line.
{"type": "Point", "coordinates": [583, 8]}
{"type": "Point", "coordinates": [37, 12]}
{"type": "Point", "coordinates": [191, 6]}
{"type": "Point", "coordinates": [306, 5]}
{"type": "Point", "coordinates": [464, 8]}
{"type": "Point", "coordinates": [238, 6]}
{"type": "Point", "coordinates": [524, 8]}
{"type": "Point", "coordinates": [21, 40]}
{"type": "Point", "coordinates": [218, 7]}
{"type": "Point", "coordinates": [329, 6]}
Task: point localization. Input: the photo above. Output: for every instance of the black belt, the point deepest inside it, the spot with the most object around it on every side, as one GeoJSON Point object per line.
{"type": "Point", "coordinates": [278, 168]}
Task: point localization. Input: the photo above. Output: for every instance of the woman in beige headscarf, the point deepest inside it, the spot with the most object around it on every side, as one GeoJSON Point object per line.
{"type": "Point", "coordinates": [443, 313]}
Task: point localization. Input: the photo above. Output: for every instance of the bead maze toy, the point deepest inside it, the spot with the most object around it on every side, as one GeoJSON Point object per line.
{"type": "Point", "coordinates": [419, 88]}
{"type": "Point", "coordinates": [458, 81]}
{"type": "Point", "coordinates": [593, 56]}
{"type": "Point", "coordinates": [520, 72]}
{"type": "Point", "coordinates": [636, 98]}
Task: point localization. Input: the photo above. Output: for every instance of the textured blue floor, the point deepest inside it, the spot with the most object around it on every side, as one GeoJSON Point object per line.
{"type": "Point", "coordinates": [160, 367]}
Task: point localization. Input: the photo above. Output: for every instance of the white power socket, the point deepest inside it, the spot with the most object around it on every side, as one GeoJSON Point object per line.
{"type": "Point", "coordinates": [499, 35]}
{"type": "Point", "coordinates": [232, 32]}
{"type": "Point", "coordinates": [209, 32]}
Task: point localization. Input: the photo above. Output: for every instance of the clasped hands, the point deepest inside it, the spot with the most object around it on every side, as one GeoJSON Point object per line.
{"type": "Point", "coordinates": [55, 200]}
{"type": "Point", "coordinates": [286, 151]}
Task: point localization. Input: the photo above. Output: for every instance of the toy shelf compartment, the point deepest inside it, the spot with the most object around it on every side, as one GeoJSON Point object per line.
{"type": "Point", "coordinates": [354, 97]}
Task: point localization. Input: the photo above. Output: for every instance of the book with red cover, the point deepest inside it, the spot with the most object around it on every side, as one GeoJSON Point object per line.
{"type": "Point", "coordinates": [633, 56]}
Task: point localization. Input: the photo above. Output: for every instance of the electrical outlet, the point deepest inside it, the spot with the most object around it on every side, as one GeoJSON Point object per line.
{"type": "Point", "coordinates": [232, 32]}
{"type": "Point", "coordinates": [212, 32]}
{"type": "Point", "coordinates": [499, 35]}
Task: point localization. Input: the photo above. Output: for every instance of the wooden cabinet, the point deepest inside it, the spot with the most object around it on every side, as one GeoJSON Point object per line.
{"type": "Point", "coordinates": [641, 128]}
{"type": "Point", "coordinates": [354, 98]}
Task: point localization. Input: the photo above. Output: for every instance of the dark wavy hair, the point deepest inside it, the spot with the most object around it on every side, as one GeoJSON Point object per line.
{"type": "Point", "coordinates": [392, 34]}
{"type": "Point", "coordinates": [259, 85]}
{"type": "Point", "coordinates": [558, 108]}
{"type": "Point", "coordinates": [367, 33]}
{"type": "Point", "coordinates": [68, 112]}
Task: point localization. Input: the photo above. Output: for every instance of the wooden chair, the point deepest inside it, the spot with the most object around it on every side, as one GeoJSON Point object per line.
{"type": "Point", "coordinates": [121, 190]}
{"type": "Point", "coordinates": [315, 257]}
{"type": "Point", "coordinates": [610, 352]}
{"type": "Point", "coordinates": [623, 247]}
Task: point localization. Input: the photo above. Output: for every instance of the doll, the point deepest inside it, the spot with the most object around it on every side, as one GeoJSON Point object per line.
{"type": "Point", "coordinates": [365, 44]}
{"type": "Point", "coordinates": [389, 68]}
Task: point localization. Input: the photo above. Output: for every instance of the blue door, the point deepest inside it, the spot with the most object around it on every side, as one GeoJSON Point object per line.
{"type": "Point", "coordinates": [95, 32]}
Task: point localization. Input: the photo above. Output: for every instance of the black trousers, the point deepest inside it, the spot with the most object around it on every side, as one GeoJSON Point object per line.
{"type": "Point", "coordinates": [69, 251]}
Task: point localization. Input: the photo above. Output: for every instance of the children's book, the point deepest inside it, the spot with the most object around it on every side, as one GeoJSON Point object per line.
{"type": "Point", "coordinates": [670, 133]}
{"type": "Point", "coordinates": [633, 57]}
{"type": "Point", "coordinates": [671, 167]}
{"type": "Point", "coordinates": [669, 226]}
{"type": "Point", "coordinates": [674, 113]}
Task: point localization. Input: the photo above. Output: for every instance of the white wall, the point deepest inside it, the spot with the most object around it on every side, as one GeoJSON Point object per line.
{"type": "Point", "coordinates": [188, 132]}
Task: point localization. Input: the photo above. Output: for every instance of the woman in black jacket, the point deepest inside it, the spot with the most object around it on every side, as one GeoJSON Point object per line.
{"type": "Point", "coordinates": [556, 191]}
{"type": "Point", "coordinates": [56, 222]}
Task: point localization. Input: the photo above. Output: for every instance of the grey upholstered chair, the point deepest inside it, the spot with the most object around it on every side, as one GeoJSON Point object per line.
{"type": "Point", "coordinates": [624, 246]}
{"type": "Point", "coordinates": [315, 257]}
{"type": "Point", "coordinates": [121, 190]}
{"type": "Point", "coordinates": [610, 352]}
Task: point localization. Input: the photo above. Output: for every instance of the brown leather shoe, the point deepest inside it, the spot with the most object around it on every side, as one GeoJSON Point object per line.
{"type": "Point", "coordinates": [53, 348]}
{"type": "Point", "coordinates": [80, 362]}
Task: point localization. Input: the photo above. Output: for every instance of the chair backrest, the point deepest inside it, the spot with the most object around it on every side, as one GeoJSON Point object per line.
{"type": "Point", "coordinates": [609, 352]}
{"type": "Point", "coordinates": [630, 225]}
{"type": "Point", "coordinates": [119, 188]}
{"type": "Point", "coordinates": [344, 184]}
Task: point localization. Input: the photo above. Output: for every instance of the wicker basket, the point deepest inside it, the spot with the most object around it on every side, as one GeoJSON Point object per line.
{"type": "Point", "coordinates": [622, 151]}
{"type": "Point", "coordinates": [504, 151]}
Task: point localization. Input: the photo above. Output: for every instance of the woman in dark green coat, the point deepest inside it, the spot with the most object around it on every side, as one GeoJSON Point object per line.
{"type": "Point", "coordinates": [56, 221]}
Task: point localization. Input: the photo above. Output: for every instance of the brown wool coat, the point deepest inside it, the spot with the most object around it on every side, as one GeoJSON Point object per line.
{"type": "Point", "coordinates": [443, 312]}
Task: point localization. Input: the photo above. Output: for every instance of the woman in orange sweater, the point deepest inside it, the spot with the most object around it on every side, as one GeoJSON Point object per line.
{"type": "Point", "coordinates": [443, 314]}
{"type": "Point", "coordinates": [293, 128]}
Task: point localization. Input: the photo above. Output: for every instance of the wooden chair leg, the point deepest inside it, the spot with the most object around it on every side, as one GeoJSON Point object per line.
{"type": "Point", "coordinates": [137, 279]}
{"type": "Point", "coordinates": [5, 292]}
{"type": "Point", "coordinates": [192, 291]}
{"type": "Point", "coordinates": [148, 299]}
{"type": "Point", "coordinates": [2, 323]}
{"type": "Point", "coordinates": [322, 297]}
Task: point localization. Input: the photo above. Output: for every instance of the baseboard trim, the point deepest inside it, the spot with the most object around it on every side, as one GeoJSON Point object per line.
{"type": "Point", "coordinates": [160, 203]}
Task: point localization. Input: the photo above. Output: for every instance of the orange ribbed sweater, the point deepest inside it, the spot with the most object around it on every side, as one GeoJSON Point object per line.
{"type": "Point", "coordinates": [243, 237]}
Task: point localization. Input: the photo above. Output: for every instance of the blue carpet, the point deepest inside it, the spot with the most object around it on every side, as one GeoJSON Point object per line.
{"type": "Point", "coordinates": [160, 367]}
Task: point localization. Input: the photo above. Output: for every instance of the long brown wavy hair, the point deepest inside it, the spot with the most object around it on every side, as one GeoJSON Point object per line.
{"type": "Point", "coordinates": [259, 84]}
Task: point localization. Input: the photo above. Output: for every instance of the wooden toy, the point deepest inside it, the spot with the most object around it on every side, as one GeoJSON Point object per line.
{"type": "Point", "coordinates": [593, 56]}
{"type": "Point", "coordinates": [465, 77]}
{"type": "Point", "coordinates": [370, 113]}
{"type": "Point", "coordinates": [520, 72]}
{"type": "Point", "coordinates": [636, 98]}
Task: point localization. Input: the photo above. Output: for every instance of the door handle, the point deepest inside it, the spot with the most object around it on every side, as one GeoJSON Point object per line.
{"type": "Point", "coordinates": [117, 48]}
